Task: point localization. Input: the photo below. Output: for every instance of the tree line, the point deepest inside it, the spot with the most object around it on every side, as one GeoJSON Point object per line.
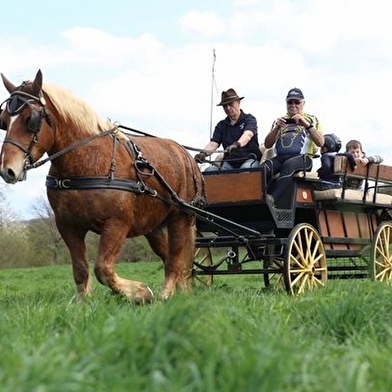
{"type": "Point", "coordinates": [37, 242]}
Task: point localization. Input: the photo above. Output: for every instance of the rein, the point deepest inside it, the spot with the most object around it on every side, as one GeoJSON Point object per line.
{"type": "Point", "coordinates": [148, 134]}
{"type": "Point", "coordinates": [71, 147]}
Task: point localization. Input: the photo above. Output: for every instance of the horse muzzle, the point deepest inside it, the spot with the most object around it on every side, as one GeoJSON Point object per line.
{"type": "Point", "coordinates": [10, 176]}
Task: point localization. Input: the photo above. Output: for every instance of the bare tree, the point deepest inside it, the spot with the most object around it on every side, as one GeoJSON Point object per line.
{"type": "Point", "coordinates": [44, 236]}
{"type": "Point", "coordinates": [7, 214]}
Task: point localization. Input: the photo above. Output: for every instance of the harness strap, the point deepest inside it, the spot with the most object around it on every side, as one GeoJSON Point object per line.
{"type": "Point", "coordinates": [71, 147]}
{"type": "Point", "coordinates": [98, 182]}
{"type": "Point", "coordinates": [141, 163]}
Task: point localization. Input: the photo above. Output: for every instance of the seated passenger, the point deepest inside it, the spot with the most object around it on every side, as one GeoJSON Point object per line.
{"type": "Point", "coordinates": [326, 172]}
{"type": "Point", "coordinates": [237, 133]}
{"type": "Point", "coordinates": [296, 136]}
{"type": "Point", "coordinates": [354, 147]}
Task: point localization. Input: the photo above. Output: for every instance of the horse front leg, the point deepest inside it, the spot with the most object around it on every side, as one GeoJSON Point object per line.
{"type": "Point", "coordinates": [109, 249]}
{"type": "Point", "coordinates": [75, 242]}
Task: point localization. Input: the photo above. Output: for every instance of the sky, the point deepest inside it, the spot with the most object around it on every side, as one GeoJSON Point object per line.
{"type": "Point", "coordinates": [160, 66]}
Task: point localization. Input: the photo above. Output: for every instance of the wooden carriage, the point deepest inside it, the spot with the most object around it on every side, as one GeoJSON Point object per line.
{"type": "Point", "coordinates": [334, 233]}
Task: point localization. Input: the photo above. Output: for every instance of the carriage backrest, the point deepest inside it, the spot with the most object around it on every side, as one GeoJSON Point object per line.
{"type": "Point", "coordinates": [381, 175]}
{"type": "Point", "coordinates": [375, 172]}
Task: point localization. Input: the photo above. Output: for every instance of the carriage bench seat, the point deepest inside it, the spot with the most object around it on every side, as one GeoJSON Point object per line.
{"type": "Point", "coordinates": [381, 175]}
{"type": "Point", "coordinates": [352, 195]}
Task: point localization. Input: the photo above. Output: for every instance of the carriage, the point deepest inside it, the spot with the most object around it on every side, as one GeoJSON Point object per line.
{"type": "Point", "coordinates": [121, 186]}
{"type": "Point", "coordinates": [325, 234]}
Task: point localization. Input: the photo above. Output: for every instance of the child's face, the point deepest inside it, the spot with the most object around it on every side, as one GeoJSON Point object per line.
{"type": "Point", "coordinates": [356, 152]}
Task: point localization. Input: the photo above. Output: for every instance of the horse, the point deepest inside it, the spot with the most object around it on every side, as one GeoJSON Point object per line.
{"type": "Point", "coordinates": [100, 180]}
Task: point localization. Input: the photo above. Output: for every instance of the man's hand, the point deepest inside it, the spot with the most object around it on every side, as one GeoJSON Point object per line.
{"type": "Point", "coordinates": [200, 157]}
{"type": "Point", "coordinates": [229, 150]}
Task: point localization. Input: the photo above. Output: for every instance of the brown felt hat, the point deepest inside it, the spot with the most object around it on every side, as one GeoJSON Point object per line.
{"type": "Point", "coordinates": [229, 96]}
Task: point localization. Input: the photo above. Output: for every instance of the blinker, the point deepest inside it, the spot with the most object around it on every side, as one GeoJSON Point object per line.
{"type": "Point", "coordinates": [35, 121]}
{"type": "Point", "coordinates": [15, 105]}
{"type": "Point", "coordinates": [3, 125]}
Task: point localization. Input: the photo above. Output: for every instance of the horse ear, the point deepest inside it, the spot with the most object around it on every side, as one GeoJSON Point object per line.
{"type": "Point", "coordinates": [37, 83]}
{"type": "Point", "coordinates": [8, 85]}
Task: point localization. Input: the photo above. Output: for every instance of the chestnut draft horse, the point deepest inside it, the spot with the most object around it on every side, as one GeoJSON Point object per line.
{"type": "Point", "coordinates": [104, 181]}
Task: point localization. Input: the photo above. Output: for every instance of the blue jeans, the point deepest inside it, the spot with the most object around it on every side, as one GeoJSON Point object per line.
{"type": "Point", "coordinates": [249, 163]}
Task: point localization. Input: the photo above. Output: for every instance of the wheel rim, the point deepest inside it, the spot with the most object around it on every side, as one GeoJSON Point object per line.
{"type": "Point", "coordinates": [305, 263]}
{"type": "Point", "coordinates": [381, 262]}
{"type": "Point", "coordinates": [203, 257]}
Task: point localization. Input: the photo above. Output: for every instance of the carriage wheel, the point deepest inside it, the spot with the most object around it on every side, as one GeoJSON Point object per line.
{"type": "Point", "coordinates": [274, 277]}
{"type": "Point", "coordinates": [381, 254]}
{"type": "Point", "coordinates": [305, 262]}
{"type": "Point", "coordinates": [202, 257]}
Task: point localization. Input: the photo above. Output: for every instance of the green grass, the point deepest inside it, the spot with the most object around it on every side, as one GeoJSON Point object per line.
{"type": "Point", "coordinates": [233, 336]}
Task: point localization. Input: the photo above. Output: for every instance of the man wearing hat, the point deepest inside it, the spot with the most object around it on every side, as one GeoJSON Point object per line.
{"type": "Point", "coordinates": [237, 133]}
{"type": "Point", "coordinates": [296, 137]}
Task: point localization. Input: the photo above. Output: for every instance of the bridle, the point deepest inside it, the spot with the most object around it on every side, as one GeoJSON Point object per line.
{"type": "Point", "coordinates": [16, 102]}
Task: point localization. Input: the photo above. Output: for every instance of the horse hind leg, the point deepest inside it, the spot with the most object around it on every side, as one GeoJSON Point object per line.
{"type": "Point", "coordinates": [104, 269]}
{"type": "Point", "coordinates": [175, 245]}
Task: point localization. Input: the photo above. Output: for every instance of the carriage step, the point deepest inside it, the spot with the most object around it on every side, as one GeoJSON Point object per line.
{"type": "Point", "coordinates": [283, 218]}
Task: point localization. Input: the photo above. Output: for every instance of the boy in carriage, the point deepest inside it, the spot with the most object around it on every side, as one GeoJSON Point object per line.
{"type": "Point", "coordinates": [354, 148]}
{"type": "Point", "coordinates": [331, 147]}
{"type": "Point", "coordinates": [353, 153]}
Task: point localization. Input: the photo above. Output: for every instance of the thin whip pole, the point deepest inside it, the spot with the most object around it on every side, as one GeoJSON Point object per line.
{"type": "Point", "coordinates": [212, 90]}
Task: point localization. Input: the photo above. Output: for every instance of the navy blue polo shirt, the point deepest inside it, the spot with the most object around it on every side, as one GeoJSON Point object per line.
{"type": "Point", "coordinates": [226, 134]}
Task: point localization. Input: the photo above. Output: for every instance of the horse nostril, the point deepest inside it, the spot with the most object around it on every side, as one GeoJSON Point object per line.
{"type": "Point", "coordinates": [8, 175]}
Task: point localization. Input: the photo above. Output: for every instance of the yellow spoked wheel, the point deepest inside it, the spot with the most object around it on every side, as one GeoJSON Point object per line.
{"type": "Point", "coordinates": [305, 262]}
{"type": "Point", "coordinates": [381, 254]}
{"type": "Point", "coordinates": [273, 278]}
{"type": "Point", "coordinates": [203, 258]}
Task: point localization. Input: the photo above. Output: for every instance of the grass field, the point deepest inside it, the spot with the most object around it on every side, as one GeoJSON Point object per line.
{"type": "Point", "coordinates": [233, 336]}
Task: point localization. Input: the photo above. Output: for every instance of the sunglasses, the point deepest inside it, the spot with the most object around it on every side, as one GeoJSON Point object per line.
{"type": "Point", "coordinates": [293, 102]}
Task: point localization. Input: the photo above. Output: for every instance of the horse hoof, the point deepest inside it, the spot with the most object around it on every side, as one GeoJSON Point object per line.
{"type": "Point", "coordinates": [145, 296]}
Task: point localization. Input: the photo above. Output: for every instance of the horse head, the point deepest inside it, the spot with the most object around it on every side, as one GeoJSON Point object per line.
{"type": "Point", "coordinates": [28, 137]}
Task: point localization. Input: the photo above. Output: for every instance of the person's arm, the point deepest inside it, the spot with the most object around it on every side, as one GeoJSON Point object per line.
{"type": "Point", "coordinates": [241, 142]}
{"type": "Point", "coordinates": [273, 134]}
{"type": "Point", "coordinates": [245, 138]}
{"type": "Point", "coordinates": [210, 147]}
{"type": "Point", "coordinates": [316, 136]}
{"type": "Point", "coordinates": [374, 159]}
{"type": "Point", "coordinates": [312, 125]}
{"type": "Point", "coordinates": [208, 150]}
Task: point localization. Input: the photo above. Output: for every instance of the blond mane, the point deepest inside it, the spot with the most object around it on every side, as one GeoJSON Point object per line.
{"type": "Point", "coordinates": [75, 109]}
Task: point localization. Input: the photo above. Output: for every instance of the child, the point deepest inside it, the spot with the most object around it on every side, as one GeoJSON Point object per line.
{"type": "Point", "coordinates": [332, 145]}
{"type": "Point", "coordinates": [354, 147]}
